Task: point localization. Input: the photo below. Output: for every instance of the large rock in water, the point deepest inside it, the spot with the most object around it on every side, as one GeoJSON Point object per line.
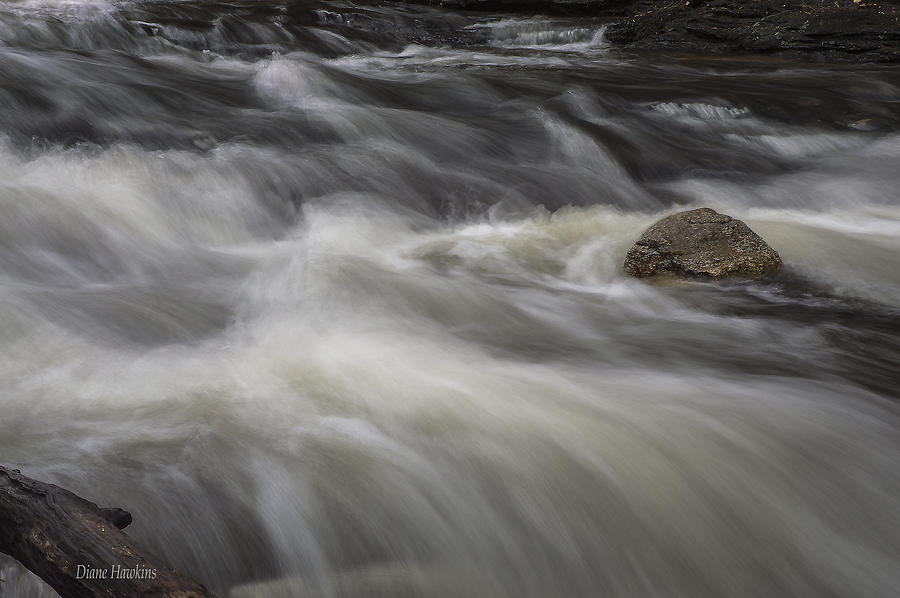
{"type": "Point", "coordinates": [704, 244]}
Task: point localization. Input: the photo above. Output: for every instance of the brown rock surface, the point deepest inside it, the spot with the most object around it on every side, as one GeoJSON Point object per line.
{"type": "Point", "coordinates": [701, 243]}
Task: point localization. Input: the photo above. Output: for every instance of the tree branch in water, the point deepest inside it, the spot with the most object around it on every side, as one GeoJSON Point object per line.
{"type": "Point", "coordinates": [77, 547]}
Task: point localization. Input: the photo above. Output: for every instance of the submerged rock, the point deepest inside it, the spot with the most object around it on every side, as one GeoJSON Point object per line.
{"type": "Point", "coordinates": [701, 243]}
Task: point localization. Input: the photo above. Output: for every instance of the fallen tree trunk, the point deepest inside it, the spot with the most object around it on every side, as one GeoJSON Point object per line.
{"type": "Point", "coordinates": [77, 547]}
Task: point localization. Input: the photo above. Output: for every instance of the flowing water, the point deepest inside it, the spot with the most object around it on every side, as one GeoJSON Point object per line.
{"type": "Point", "coordinates": [330, 298]}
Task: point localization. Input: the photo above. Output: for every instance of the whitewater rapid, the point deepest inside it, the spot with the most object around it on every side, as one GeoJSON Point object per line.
{"type": "Point", "coordinates": [333, 304]}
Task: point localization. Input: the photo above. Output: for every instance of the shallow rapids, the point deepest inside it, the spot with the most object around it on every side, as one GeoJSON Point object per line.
{"type": "Point", "coordinates": [330, 298]}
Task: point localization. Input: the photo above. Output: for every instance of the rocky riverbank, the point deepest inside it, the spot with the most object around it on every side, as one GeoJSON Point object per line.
{"type": "Point", "coordinates": [858, 30]}
{"type": "Point", "coordinates": [835, 30]}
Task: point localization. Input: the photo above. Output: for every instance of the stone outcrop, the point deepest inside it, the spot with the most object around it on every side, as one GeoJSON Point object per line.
{"type": "Point", "coordinates": [701, 244]}
{"type": "Point", "coordinates": [864, 30]}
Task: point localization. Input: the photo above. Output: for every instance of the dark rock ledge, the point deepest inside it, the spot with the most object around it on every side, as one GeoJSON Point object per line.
{"type": "Point", "coordinates": [843, 29]}
{"type": "Point", "coordinates": [863, 30]}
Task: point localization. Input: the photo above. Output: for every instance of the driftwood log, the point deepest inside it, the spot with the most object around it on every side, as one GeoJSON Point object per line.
{"type": "Point", "coordinates": [78, 548]}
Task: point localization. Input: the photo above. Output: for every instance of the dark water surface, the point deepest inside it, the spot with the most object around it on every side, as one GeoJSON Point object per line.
{"type": "Point", "coordinates": [330, 297]}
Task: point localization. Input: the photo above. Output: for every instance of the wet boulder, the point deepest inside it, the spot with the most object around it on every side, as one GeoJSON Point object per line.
{"type": "Point", "coordinates": [701, 244]}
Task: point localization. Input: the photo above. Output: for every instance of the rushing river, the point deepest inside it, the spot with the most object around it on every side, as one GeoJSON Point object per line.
{"type": "Point", "coordinates": [330, 297]}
